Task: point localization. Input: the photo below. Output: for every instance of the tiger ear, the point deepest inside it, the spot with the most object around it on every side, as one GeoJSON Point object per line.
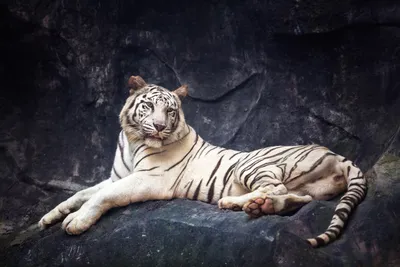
{"type": "Point", "coordinates": [181, 91]}
{"type": "Point", "coordinates": [135, 83]}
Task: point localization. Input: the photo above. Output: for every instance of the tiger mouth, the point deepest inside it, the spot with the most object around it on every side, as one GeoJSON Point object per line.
{"type": "Point", "coordinates": [155, 137]}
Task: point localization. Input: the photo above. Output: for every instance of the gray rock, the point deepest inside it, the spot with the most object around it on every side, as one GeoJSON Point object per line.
{"type": "Point", "coordinates": [189, 233]}
{"type": "Point", "coordinates": [260, 73]}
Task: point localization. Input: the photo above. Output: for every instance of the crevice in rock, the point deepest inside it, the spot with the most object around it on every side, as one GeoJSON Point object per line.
{"type": "Point", "coordinates": [331, 124]}
{"type": "Point", "coordinates": [154, 53]}
{"type": "Point", "coordinates": [228, 92]}
{"type": "Point", "coordinates": [42, 186]}
{"type": "Point", "coordinates": [238, 129]}
{"type": "Point", "coordinates": [347, 27]}
{"type": "Point", "coordinates": [390, 142]}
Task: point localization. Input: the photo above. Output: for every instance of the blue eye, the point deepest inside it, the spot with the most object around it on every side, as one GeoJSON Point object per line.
{"type": "Point", "coordinates": [169, 110]}
{"type": "Point", "coordinates": [150, 105]}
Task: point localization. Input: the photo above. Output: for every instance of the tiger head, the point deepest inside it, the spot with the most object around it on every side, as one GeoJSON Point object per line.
{"type": "Point", "coordinates": [153, 114]}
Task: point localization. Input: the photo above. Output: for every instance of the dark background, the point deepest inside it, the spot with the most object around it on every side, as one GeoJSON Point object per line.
{"type": "Point", "coordinates": [260, 73]}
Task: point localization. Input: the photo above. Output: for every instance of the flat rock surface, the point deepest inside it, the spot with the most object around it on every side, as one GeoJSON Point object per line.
{"type": "Point", "coordinates": [190, 233]}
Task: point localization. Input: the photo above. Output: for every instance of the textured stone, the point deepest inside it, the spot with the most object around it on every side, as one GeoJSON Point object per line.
{"type": "Point", "coordinates": [189, 233]}
{"type": "Point", "coordinates": [260, 73]}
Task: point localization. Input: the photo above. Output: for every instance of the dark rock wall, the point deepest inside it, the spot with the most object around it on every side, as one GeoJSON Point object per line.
{"type": "Point", "coordinates": [260, 73]}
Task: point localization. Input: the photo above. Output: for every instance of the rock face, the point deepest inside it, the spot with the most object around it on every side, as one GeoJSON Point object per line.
{"type": "Point", "coordinates": [260, 73]}
{"type": "Point", "coordinates": [189, 233]}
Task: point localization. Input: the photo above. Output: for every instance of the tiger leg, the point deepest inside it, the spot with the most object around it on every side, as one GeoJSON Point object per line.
{"type": "Point", "coordinates": [120, 170]}
{"type": "Point", "coordinates": [132, 188]}
{"type": "Point", "coordinates": [274, 204]}
{"type": "Point", "coordinates": [262, 181]}
{"type": "Point", "coordinates": [71, 204]}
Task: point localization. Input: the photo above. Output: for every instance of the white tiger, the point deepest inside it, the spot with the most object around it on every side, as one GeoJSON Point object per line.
{"type": "Point", "coordinates": [159, 157]}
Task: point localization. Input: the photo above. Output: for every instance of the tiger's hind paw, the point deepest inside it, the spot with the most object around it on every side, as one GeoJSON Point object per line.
{"type": "Point", "coordinates": [259, 206]}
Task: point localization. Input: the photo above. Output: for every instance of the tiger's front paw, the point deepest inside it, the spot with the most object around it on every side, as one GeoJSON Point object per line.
{"type": "Point", "coordinates": [45, 221]}
{"type": "Point", "coordinates": [229, 203]}
{"type": "Point", "coordinates": [79, 221]}
{"type": "Point", "coordinates": [55, 215]}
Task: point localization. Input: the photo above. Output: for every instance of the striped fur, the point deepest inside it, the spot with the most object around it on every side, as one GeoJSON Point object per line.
{"type": "Point", "coordinates": [178, 163]}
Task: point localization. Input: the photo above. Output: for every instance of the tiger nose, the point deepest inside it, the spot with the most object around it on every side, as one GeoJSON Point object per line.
{"type": "Point", "coordinates": [159, 127]}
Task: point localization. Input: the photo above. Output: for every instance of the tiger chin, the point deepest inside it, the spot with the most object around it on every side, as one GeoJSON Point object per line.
{"type": "Point", "coordinates": [160, 157]}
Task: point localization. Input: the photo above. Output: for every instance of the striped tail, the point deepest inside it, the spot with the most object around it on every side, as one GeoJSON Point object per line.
{"type": "Point", "coordinates": [356, 191]}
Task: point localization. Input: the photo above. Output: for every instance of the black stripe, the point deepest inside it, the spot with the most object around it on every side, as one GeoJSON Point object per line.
{"type": "Point", "coordinates": [247, 177]}
{"type": "Point", "coordinates": [204, 142]}
{"type": "Point", "coordinates": [251, 165]}
{"type": "Point", "coordinates": [355, 186]}
{"type": "Point", "coordinates": [176, 122]}
{"type": "Point", "coordinates": [350, 203]}
{"type": "Point", "coordinates": [257, 186]}
{"type": "Point", "coordinates": [339, 228]}
{"type": "Point", "coordinates": [293, 152]}
{"type": "Point", "coordinates": [210, 194]}
{"type": "Point", "coordinates": [308, 151]}
{"type": "Point", "coordinates": [270, 150]}
{"type": "Point", "coordinates": [196, 192]}
{"type": "Point", "coordinates": [258, 178]}
{"type": "Point", "coordinates": [361, 185]}
{"type": "Point", "coordinates": [228, 174]}
{"type": "Point", "coordinates": [137, 149]}
{"type": "Point", "coordinates": [358, 192]}
{"type": "Point", "coordinates": [187, 190]}
{"type": "Point", "coordinates": [256, 169]}
{"type": "Point", "coordinates": [248, 154]}
{"type": "Point", "coordinates": [116, 173]}
{"type": "Point", "coordinates": [204, 148]}
{"type": "Point", "coordinates": [320, 241]}
{"type": "Point", "coordinates": [146, 170]}
{"type": "Point", "coordinates": [222, 150]}
{"type": "Point", "coordinates": [235, 155]}
{"type": "Point", "coordinates": [230, 169]}
{"type": "Point", "coordinates": [355, 198]}
{"type": "Point", "coordinates": [261, 150]}
{"type": "Point", "coordinates": [342, 214]}
{"type": "Point", "coordinates": [121, 149]}
{"type": "Point", "coordinates": [214, 170]}
{"type": "Point", "coordinates": [264, 156]}
{"type": "Point", "coordinates": [180, 176]}
{"type": "Point", "coordinates": [133, 103]}
{"type": "Point", "coordinates": [331, 234]}
{"type": "Point", "coordinates": [215, 147]}
{"type": "Point", "coordinates": [248, 167]}
{"type": "Point", "coordinates": [273, 175]}
{"type": "Point", "coordinates": [313, 167]}
{"type": "Point", "coordinates": [195, 142]}
{"type": "Point", "coordinates": [230, 189]}
{"type": "Point", "coordinates": [357, 178]}
{"type": "Point", "coordinates": [283, 170]}
{"type": "Point", "coordinates": [148, 155]}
